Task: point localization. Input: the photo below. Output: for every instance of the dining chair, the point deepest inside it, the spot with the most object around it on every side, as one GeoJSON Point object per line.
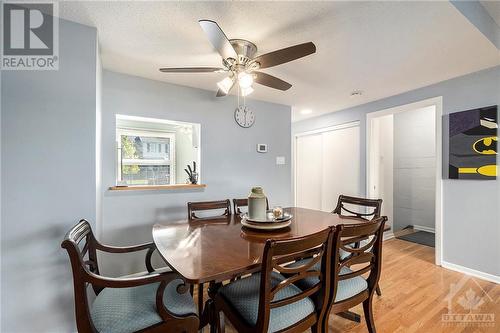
{"type": "Point", "coordinates": [203, 206]}
{"type": "Point", "coordinates": [372, 209]}
{"type": "Point", "coordinates": [238, 203]}
{"type": "Point", "coordinates": [348, 286]}
{"type": "Point", "coordinates": [270, 302]}
{"type": "Point", "coordinates": [199, 206]}
{"type": "Point", "coordinates": [150, 302]}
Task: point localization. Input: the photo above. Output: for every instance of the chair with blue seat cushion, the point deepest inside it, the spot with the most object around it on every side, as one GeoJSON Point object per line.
{"type": "Point", "coordinates": [359, 208]}
{"type": "Point", "coordinates": [270, 302]}
{"type": "Point", "coordinates": [123, 310]}
{"type": "Point", "coordinates": [349, 287]}
{"type": "Point", "coordinates": [157, 301]}
{"type": "Point", "coordinates": [243, 296]}
{"type": "Point", "coordinates": [346, 288]}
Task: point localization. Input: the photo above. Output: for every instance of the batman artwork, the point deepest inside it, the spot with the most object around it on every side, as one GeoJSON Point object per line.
{"type": "Point", "coordinates": [474, 144]}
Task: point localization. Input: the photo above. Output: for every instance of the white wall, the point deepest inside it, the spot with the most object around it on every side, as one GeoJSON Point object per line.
{"type": "Point", "coordinates": [382, 170]}
{"type": "Point", "coordinates": [48, 181]}
{"type": "Point", "coordinates": [230, 164]}
{"type": "Point", "coordinates": [185, 154]}
{"type": "Point", "coordinates": [415, 168]}
{"type": "Point", "coordinates": [471, 215]}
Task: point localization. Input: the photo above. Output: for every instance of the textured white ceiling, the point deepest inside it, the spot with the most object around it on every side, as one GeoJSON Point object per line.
{"type": "Point", "coordinates": [381, 48]}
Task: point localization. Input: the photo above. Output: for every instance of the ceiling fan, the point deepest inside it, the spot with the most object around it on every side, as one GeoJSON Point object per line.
{"type": "Point", "coordinates": [239, 61]}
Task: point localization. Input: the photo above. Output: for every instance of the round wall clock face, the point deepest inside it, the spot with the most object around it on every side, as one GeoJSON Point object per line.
{"type": "Point", "coordinates": [244, 116]}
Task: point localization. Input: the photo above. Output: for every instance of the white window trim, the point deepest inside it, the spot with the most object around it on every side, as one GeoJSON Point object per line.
{"type": "Point", "coordinates": [147, 133]}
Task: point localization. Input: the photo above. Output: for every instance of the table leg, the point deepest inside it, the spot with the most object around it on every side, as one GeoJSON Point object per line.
{"type": "Point", "coordinates": [200, 298]}
{"type": "Point", "coordinates": [203, 319]}
{"type": "Point", "coordinates": [210, 305]}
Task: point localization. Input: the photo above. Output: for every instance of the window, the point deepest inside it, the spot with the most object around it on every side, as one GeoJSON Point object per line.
{"type": "Point", "coordinates": [148, 151]}
{"type": "Point", "coordinates": [141, 160]}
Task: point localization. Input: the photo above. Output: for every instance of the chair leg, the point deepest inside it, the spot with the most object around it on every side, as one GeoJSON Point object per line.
{"type": "Point", "coordinates": [221, 327]}
{"type": "Point", "coordinates": [324, 323]}
{"type": "Point", "coordinates": [367, 308]}
{"type": "Point", "coordinates": [200, 298]}
{"type": "Point", "coordinates": [349, 315]}
{"type": "Point", "coordinates": [377, 290]}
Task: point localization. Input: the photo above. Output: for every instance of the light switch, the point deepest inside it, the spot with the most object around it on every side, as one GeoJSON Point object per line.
{"type": "Point", "coordinates": [280, 160]}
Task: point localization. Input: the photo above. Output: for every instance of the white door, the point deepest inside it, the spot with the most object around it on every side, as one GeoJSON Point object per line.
{"type": "Point", "coordinates": [327, 164]}
{"type": "Point", "coordinates": [341, 163]}
{"type": "Point", "coordinates": [308, 171]}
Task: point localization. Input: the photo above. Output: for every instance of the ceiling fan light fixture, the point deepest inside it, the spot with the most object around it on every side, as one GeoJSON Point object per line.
{"type": "Point", "coordinates": [240, 62]}
{"type": "Point", "coordinates": [245, 80]}
{"type": "Point", "coordinates": [246, 91]}
{"type": "Point", "coordinates": [225, 85]}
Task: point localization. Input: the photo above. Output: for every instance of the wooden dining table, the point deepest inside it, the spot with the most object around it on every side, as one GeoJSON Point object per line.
{"type": "Point", "coordinates": [219, 249]}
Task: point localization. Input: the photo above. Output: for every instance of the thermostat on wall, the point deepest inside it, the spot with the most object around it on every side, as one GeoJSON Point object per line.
{"type": "Point", "coordinates": [261, 148]}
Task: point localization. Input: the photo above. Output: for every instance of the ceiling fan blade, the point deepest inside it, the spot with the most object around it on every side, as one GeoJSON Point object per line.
{"type": "Point", "coordinates": [192, 70]}
{"type": "Point", "coordinates": [285, 55]}
{"type": "Point", "coordinates": [271, 81]}
{"type": "Point", "coordinates": [218, 39]}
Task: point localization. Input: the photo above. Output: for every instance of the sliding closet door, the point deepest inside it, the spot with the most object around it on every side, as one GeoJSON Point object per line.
{"type": "Point", "coordinates": [327, 164]}
{"type": "Point", "coordinates": [308, 166]}
{"type": "Point", "coordinates": [341, 163]}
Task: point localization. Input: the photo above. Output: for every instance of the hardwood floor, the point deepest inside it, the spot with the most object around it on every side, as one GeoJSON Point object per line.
{"type": "Point", "coordinates": [414, 293]}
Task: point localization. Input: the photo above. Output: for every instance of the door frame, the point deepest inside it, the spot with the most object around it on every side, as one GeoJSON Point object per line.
{"type": "Point", "coordinates": [437, 102]}
{"type": "Point", "coordinates": [311, 132]}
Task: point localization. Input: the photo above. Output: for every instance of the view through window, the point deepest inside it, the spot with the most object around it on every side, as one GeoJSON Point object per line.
{"type": "Point", "coordinates": [155, 151]}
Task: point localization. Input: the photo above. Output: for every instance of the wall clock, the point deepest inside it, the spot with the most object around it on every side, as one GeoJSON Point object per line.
{"type": "Point", "coordinates": [244, 116]}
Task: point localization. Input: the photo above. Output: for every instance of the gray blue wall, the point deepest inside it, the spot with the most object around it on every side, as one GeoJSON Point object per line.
{"type": "Point", "coordinates": [230, 164]}
{"type": "Point", "coordinates": [51, 164]}
{"type": "Point", "coordinates": [48, 181]}
{"type": "Point", "coordinates": [471, 218]}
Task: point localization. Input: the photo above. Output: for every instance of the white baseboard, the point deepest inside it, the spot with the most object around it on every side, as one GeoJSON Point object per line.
{"type": "Point", "coordinates": [424, 228]}
{"type": "Point", "coordinates": [471, 272]}
{"type": "Point", "coordinates": [388, 235]}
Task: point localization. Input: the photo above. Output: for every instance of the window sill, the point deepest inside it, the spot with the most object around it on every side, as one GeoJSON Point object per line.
{"type": "Point", "coordinates": [156, 187]}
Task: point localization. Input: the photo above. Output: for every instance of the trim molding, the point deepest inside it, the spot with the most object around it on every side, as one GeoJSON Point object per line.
{"type": "Point", "coordinates": [329, 128]}
{"type": "Point", "coordinates": [424, 228]}
{"type": "Point", "coordinates": [437, 102]}
{"type": "Point", "coordinates": [388, 235]}
{"type": "Point", "coordinates": [471, 272]}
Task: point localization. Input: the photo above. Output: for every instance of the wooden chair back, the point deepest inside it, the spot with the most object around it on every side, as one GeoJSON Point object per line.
{"type": "Point", "coordinates": [81, 246]}
{"type": "Point", "coordinates": [238, 203]}
{"type": "Point", "coordinates": [194, 207]}
{"type": "Point", "coordinates": [375, 205]}
{"type": "Point", "coordinates": [277, 254]}
{"type": "Point", "coordinates": [366, 258]}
